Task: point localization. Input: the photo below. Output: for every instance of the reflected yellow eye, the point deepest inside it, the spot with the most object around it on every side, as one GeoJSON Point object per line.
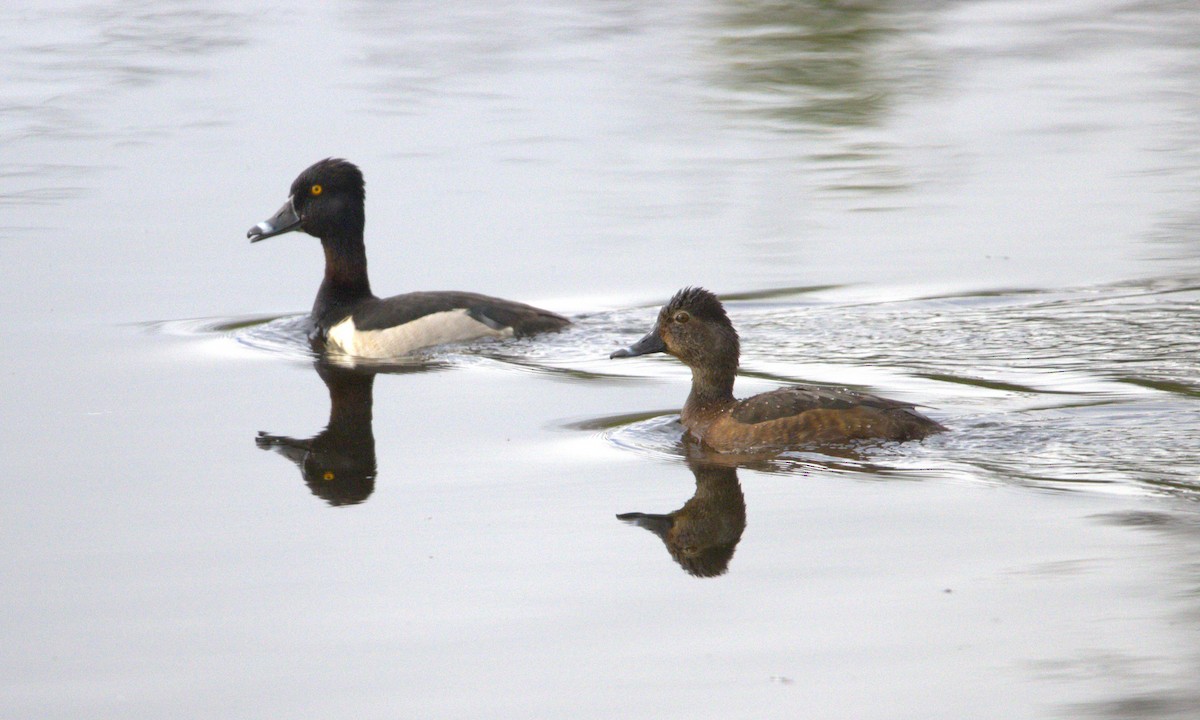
{"type": "Point", "coordinates": [328, 475]}
{"type": "Point", "coordinates": [316, 189]}
{"type": "Point", "coordinates": [681, 317]}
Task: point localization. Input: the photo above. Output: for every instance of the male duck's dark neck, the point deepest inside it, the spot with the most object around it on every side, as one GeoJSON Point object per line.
{"type": "Point", "coordinates": [345, 283]}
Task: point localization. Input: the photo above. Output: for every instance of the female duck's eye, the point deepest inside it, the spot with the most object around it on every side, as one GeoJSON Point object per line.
{"type": "Point", "coordinates": [681, 317]}
{"type": "Point", "coordinates": [316, 189]}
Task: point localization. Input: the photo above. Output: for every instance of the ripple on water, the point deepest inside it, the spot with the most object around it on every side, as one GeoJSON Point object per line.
{"type": "Point", "coordinates": [1088, 389]}
{"type": "Point", "coordinates": [282, 336]}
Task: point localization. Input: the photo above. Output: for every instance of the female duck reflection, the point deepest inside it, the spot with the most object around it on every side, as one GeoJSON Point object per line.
{"type": "Point", "coordinates": [338, 463]}
{"type": "Point", "coordinates": [702, 535]}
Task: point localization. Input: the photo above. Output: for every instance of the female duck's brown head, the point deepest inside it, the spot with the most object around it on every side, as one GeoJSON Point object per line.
{"type": "Point", "coordinates": [693, 327]}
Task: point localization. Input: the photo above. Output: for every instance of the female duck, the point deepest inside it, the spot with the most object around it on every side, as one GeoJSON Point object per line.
{"type": "Point", "coordinates": [327, 201]}
{"type": "Point", "coordinates": [693, 327]}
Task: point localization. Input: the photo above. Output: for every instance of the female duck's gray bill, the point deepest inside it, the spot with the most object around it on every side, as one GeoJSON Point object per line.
{"type": "Point", "coordinates": [652, 343]}
{"type": "Point", "coordinates": [286, 220]}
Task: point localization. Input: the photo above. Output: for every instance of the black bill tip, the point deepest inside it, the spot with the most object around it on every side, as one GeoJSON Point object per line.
{"type": "Point", "coordinates": [285, 220]}
{"type": "Point", "coordinates": [652, 343]}
{"type": "Point", "coordinates": [258, 232]}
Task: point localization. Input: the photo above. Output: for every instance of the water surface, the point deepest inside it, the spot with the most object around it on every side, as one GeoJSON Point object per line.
{"type": "Point", "coordinates": [986, 208]}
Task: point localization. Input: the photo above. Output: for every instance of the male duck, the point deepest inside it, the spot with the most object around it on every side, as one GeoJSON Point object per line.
{"type": "Point", "coordinates": [327, 201]}
{"type": "Point", "coordinates": [693, 327]}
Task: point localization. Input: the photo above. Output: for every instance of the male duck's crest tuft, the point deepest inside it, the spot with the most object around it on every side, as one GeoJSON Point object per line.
{"type": "Point", "coordinates": [332, 174]}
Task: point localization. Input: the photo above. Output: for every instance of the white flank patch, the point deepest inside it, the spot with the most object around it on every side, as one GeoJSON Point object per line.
{"type": "Point", "coordinates": [434, 329]}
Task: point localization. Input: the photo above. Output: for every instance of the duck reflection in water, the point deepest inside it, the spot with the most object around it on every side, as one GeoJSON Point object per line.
{"type": "Point", "coordinates": [703, 534]}
{"type": "Point", "coordinates": [338, 463]}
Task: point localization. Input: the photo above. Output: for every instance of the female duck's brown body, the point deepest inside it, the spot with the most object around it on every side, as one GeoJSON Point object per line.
{"type": "Point", "coordinates": [694, 327]}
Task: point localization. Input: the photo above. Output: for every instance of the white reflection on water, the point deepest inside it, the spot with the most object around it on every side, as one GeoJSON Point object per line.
{"type": "Point", "coordinates": [1095, 387]}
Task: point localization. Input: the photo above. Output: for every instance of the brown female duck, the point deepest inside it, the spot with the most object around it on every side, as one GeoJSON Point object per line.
{"type": "Point", "coordinates": [694, 327]}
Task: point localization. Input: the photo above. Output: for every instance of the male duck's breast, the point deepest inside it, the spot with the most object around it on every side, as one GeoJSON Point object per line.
{"type": "Point", "coordinates": [433, 329]}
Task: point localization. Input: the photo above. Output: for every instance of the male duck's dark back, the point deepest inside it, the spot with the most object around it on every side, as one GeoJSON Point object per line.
{"type": "Point", "coordinates": [327, 200]}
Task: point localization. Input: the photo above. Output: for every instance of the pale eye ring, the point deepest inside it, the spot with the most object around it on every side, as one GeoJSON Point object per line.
{"type": "Point", "coordinates": [682, 316]}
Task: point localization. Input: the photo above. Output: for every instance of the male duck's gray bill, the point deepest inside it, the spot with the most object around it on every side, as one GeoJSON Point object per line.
{"type": "Point", "coordinates": [652, 343]}
{"type": "Point", "coordinates": [286, 220]}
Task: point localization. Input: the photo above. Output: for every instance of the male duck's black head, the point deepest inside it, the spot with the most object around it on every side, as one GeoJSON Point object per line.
{"type": "Point", "coordinates": [326, 201]}
{"type": "Point", "coordinates": [693, 327]}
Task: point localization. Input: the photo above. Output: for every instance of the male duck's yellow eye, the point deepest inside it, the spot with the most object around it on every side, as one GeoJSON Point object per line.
{"type": "Point", "coordinates": [316, 189]}
{"type": "Point", "coordinates": [681, 317]}
{"type": "Point", "coordinates": [328, 475]}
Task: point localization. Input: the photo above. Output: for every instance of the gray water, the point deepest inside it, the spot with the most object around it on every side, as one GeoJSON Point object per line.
{"type": "Point", "coordinates": [991, 209]}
